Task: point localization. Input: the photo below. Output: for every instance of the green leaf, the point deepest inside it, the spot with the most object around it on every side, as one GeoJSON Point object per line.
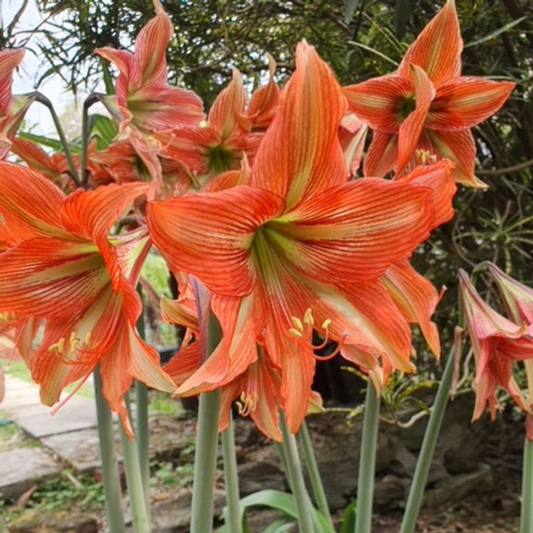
{"type": "Point", "coordinates": [348, 518]}
{"type": "Point", "coordinates": [401, 17]}
{"type": "Point", "coordinates": [495, 33]}
{"type": "Point", "coordinates": [55, 144]}
{"type": "Point", "coordinates": [103, 129]}
{"type": "Point", "coordinates": [349, 9]}
{"type": "Point", "coordinates": [280, 501]}
{"type": "Point", "coordinates": [279, 526]}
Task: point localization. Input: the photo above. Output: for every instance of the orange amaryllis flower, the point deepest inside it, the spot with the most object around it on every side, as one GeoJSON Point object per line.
{"type": "Point", "coordinates": [427, 104]}
{"type": "Point", "coordinates": [143, 96]}
{"type": "Point", "coordinates": [220, 144]}
{"type": "Point", "coordinates": [298, 248]}
{"type": "Point", "coordinates": [64, 267]}
{"type": "Point", "coordinates": [498, 344]}
{"type": "Point", "coordinates": [517, 297]}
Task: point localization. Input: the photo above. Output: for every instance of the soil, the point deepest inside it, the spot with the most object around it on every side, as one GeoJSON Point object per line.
{"type": "Point", "coordinates": [493, 510]}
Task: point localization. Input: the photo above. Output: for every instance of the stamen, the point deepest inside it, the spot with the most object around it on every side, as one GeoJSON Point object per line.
{"type": "Point", "coordinates": [297, 323]}
{"type": "Point", "coordinates": [296, 333]}
{"type": "Point", "coordinates": [247, 403]}
{"type": "Point", "coordinates": [74, 341]}
{"type": "Point", "coordinates": [58, 347]}
{"type": "Point", "coordinates": [308, 318]}
{"type": "Point", "coordinates": [332, 354]}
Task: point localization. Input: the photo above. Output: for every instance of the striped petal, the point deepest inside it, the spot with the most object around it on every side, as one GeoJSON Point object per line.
{"type": "Point", "coordinates": [382, 155]}
{"type": "Point", "coordinates": [355, 232]}
{"type": "Point", "coordinates": [378, 101]}
{"type": "Point", "coordinates": [210, 235]}
{"type": "Point", "coordinates": [301, 154]}
{"type": "Point", "coordinates": [437, 50]}
{"type": "Point", "coordinates": [465, 102]}
{"type": "Point", "coordinates": [29, 204]}
{"type": "Point", "coordinates": [459, 147]}
{"type": "Point", "coordinates": [416, 299]}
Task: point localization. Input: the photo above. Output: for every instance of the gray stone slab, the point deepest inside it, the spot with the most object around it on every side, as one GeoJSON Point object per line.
{"type": "Point", "coordinates": [76, 414]}
{"type": "Point", "coordinates": [20, 469]}
{"type": "Point", "coordinates": [79, 448]}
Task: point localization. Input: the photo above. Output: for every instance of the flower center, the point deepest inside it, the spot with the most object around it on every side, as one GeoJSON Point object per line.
{"type": "Point", "coordinates": [406, 106]}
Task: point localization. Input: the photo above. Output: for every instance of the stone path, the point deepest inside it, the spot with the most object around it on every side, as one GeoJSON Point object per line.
{"type": "Point", "coordinates": [67, 438]}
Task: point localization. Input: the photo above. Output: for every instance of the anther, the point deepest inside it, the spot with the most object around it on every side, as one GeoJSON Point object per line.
{"type": "Point", "coordinates": [297, 323]}
{"type": "Point", "coordinates": [297, 334]}
{"type": "Point", "coordinates": [308, 318]}
{"type": "Point", "coordinates": [58, 347]}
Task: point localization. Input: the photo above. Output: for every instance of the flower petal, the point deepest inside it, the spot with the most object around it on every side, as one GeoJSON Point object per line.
{"type": "Point", "coordinates": [354, 232]}
{"type": "Point", "coordinates": [301, 154]}
{"type": "Point", "coordinates": [465, 102]}
{"type": "Point", "coordinates": [437, 50]}
{"type": "Point", "coordinates": [459, 147]}
{"type": "Point", "coordinates": [50, 277]}
{"type": "Point", "coordinates": [416, 299]}
{"type": "Point", "coordinates": [378, 101]}
{"type": "Point", "coordinates": [382, 154]}
{"type": "Point", "coordinates": [439, 178]}
{"type": "Point", "coordinates": [29, 204]}
{"type": "Point", "coordinates": [209, 235]}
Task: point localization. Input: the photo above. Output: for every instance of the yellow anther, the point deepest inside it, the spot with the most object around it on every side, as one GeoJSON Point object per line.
{"type": "Point", "coordinates": [297, 334]}
{"type": "Point", "coordinates": [87, 338]}
{"type": "Point", "coordinates": [58, 347]}
{"type": "Point", "coordinates": [297, 323]}
{"type": "Point", "coordinates": [308, 318]}
{"type": "Point", "coordinates": [247, 403]}
{"type": "Point", "coordinates": [73, 341]}
{"type": "Point", "coordinates": [326, 323]}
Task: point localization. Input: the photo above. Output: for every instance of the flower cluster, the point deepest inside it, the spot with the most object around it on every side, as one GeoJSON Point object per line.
{"type": "Point", "coordinates": [258, 212]}
{"type": "Point", "coordinates": [501, 345]}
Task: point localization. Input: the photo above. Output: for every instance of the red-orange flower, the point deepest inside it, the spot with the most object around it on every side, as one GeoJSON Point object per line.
{"type": "Point", "coordinates": [427, 104]}
{"type": "Point", "coordinates": [299, 248]}
{"type": "Point", "coordinates": [220, 145]}
{"type": "Point", "coordinates": [143, 96]}
{"type": "Point", "coordinates": [498, 344]}
{"type": "Point", "coordinates": [62, 266]}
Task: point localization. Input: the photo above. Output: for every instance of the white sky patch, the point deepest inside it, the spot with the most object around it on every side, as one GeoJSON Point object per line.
{"type": "Point", "coordinates": [25, 78]}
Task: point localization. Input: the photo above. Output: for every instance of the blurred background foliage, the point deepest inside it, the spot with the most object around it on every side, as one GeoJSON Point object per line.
{"type": "Point", "coordinates": [360, 39]}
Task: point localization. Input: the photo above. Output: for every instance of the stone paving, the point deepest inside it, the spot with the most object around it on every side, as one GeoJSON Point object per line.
{"type": "Point", "coordinates": [65, 439]}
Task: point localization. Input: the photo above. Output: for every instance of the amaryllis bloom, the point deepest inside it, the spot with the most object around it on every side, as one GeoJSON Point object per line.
{"type": "Point", "coordinates": [298, 249]}
{"type": "Point", "coordinates": [498, 344]}
{"type": "Point", "coordinates": [64, 267]}
{"type": "Point", "coordinates": [426, 104]}
{"type": "Point", "coordinates": [219, 145]}
{"type": "Point", "coordinates": [143, 96]}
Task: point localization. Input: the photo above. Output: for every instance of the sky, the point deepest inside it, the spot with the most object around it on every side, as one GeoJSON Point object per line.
{"type": "Point", "coordinates": [24, 79]}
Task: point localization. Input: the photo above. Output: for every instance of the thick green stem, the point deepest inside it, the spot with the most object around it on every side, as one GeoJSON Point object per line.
{"type": "Point", "coordinates": [139, 504]}
{"type": "Point", "coordinates": [142, 434]}
{"type": "Point", "coordinates": [314, 474]}
{"type": "Point", "coordinates": [231, 478]}
{"type": "Point", "coordinates": [294, 468]}
{"type": "Point", "coordinates": [108, 458]}
{"type": "Point", "coordinates": [423, 464]}
{"type": "Point", "coordinates": [57, 123]}
{"type": "Point", "coordinates": [526, 515]}
{"type": "Point", "coordinates": [205, 458]}
{"type": "Point", "coordinates": [142, 429]}
{"type": "Point", "coordinates": [367, 461]}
